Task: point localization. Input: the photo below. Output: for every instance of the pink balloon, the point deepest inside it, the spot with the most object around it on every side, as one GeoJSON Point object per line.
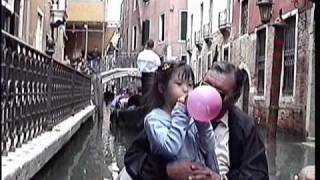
{"type": "Point", "coordinates": [204, 103]}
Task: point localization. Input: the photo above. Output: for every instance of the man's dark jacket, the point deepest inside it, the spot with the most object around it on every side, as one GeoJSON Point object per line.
{"type": "Point", "coordinates": [246, 151]}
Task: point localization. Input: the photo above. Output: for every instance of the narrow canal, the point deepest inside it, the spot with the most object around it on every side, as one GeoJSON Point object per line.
{"type": "Point", "coordinates": [96, 153]}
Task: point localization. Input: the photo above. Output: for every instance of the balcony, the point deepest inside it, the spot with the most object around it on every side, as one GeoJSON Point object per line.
{"type": "Point", "coordinates": [198, 39]}
{"type": "Point", "coordinates": [189, 46]}
{"type": "Point", "coordinates": [224, 22]}
{"type": "Point", "coordinates": [9, 5]}
{"type": "Point", "coordinates": [207, 33]}
{"type": "Point", "coordinates": [58, 12]}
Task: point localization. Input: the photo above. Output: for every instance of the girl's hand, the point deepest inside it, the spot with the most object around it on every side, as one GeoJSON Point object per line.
{"type": "Point", "coordinates": [183, 99]}
{"type": "Point", "coordinates": [203, 173]}
{"type": "Point", "coordinates": [186, 170]}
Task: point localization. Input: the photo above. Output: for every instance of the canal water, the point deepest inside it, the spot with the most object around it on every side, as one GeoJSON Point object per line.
{"type": "Point", "coordinates": [96, 153]}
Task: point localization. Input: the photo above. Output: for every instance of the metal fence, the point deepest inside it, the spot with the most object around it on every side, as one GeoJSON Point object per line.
{"type": "Point", "coordinates": [125, 60]}
{"type": "Point", "coordinates": [37, 92]}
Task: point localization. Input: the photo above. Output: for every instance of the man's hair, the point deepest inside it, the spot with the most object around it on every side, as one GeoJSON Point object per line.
{"type": "Point", "coordinates": [228, 68]}
{"type": "Point", "coordinates": [150, 44]}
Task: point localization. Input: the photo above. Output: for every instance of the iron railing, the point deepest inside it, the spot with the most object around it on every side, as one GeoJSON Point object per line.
{"type": "Point", "coordinates": [37, 92]}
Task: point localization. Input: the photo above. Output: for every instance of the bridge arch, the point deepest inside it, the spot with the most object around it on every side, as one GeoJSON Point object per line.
{"type": "Point", "coordinates": [119, 72]}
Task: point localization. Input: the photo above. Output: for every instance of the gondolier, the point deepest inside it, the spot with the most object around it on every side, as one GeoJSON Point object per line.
{"type": "Point", "coordinates": [148, 62]}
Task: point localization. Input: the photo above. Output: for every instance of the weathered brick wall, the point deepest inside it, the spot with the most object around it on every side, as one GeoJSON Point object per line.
{"type": "Point", "coordinates": [292, 113]}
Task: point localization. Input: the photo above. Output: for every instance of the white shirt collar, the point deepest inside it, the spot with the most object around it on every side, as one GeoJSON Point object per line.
{"type": "Point", "coordinates": [225, 118]}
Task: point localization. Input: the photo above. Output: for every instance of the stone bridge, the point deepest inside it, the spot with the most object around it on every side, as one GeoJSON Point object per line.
{"type": "Point", "coordinates": [119, 72]}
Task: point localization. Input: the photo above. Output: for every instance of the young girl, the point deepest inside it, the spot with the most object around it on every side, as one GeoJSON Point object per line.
{"type": "Point", "coordinates": [172, 134]}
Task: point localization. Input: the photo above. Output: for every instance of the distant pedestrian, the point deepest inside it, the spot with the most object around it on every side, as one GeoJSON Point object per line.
{"type": "Point", "coordinates": [148, 62]}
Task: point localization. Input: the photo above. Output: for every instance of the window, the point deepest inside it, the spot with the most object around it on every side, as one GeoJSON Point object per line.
{"type": "Point", "coordinates": [199, 69]}
{"type": "Point", "coordinates": [22, 18]}
{"type": "Point", "coordinates": [289, 56]}
{"type": "Point", "coordinates": [128, 40]}
{"type": "Point", "coordinates": [16, 17]}
{"type": "Point", "coordinates": [134, 38]}
{"type": "Point", "coordinates": [10, 16]}
{"type": "Point", "coordinates": [210, 11]}
{"type": "Point", "coordinates": [39, 31]}
{"type": "Point", "coordinates": [183, 25]}
{"type": "Point", "coordinates": [201, 20]}
{"type": "Point", "coordinates": [244, 17]}
{"type": "Point", "coordinates": [127, 4]}
{"type": "Point", "coordinates": [135, 5]}
{"type": "Point", "coordinates": [260, 60]}
{"type": "Point", "coordinates": [184, 59]}
{"type": "Point", "coordinates": [161, 27]}
{"type": "Point", "coordinates": [226, 54]}
{"type": "Point", "coordinates": [191, 28]}
{"type": "Point", "coordinates": [145, 31]}
{"type": "Point", "coordinates": [6, 18]}
{"type": "Point", "coordinates": [209, 61]}
{"type": "Point", "coordinates": [215, 56]}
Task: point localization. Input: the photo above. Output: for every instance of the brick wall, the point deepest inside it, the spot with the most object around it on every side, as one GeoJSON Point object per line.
{"type": "Point", "coordinates": [292, 112]}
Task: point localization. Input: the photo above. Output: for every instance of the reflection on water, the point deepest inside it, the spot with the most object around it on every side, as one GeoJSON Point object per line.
{"type": "Point", "coordinates": [287, 156]}
{"type": "Point", "coordinates": [96, 153]}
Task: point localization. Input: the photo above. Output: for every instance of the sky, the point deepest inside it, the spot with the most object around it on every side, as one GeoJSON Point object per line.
{"type": "Point", "coordinates": [114, 10]}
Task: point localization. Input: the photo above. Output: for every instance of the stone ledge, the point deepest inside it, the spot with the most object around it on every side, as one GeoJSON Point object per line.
{"type": "Point", "coordinates": [26, 161]}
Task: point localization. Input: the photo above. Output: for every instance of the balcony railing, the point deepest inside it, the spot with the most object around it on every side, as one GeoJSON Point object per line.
{"type": "Point", "coordinates": [224, 21]}
{"type": "Point", "coordinates": [207, 31]}
{"type": "Point", "coordinates": [58, 11]}
{"type": "Point", "coordinates": [198, 39]}
{"type": "Point", "coordinates": [37, 92]}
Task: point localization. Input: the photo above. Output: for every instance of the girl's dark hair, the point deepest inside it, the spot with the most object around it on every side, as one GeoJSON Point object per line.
{"type": "Point", "coordinates": [154, 98]}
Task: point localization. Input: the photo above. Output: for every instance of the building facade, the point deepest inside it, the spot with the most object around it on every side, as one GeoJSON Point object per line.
{"type": "Point", "coordinates": [249, 44]}
{"type": "Point", "coordinates": [86, 29]}
{"type": "Point", "coordinates": [208, 33]}
{"type": "Point", "coordinates": [163, 21]}
{"type": "Point", "coordinates": [36, 22]}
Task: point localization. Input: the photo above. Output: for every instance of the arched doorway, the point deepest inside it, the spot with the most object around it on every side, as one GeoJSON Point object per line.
{"type": "Point", "coordinates": [245, 93]}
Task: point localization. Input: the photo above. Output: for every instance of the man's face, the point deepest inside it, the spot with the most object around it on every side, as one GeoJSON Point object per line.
{"type": "Point", "coordinates": [225, 85]}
